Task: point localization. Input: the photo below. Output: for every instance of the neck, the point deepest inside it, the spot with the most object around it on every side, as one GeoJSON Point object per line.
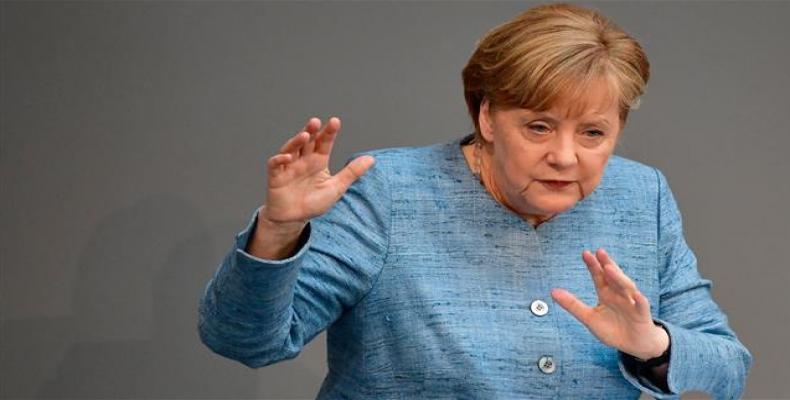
{"type": "Point", "coordinates": [479, 164]}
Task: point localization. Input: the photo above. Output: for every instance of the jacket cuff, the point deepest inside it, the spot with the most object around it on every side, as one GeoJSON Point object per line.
{"type": "Point", "coordinates": [246, 260]}
{"type": "Point", "coordinates": [629, 367]}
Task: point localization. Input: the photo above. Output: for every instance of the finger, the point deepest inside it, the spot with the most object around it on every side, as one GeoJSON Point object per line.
{"type": "Point", "coordinates": [356, 168]}
{"type": "Point", "coordinates": [313, 129]}
{"type": "Point", "coordinates": [614, 274]}
{"type": "Point", "coordinates": [615, 279]}
{"type": "Point", "coordinates": [642, 304]}
{"type": "Point", "coordinates": [276, 161]}
{"type": "Point", "coordinates": [326, 138]}
{"type": "Point", "coordinates": [312, 125]}
{"type": "Point", "coordinates": [596, 271]}
{"type": "Point", "coordinates": [573, 305]}
{"type": "Point", "coordinates": [294, 143]}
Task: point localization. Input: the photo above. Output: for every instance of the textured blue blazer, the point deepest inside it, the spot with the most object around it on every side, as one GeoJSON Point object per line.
{"type": "Point", "coordinates": [428, 287]}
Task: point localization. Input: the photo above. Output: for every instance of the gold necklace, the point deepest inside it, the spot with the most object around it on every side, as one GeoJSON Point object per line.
{"type": "Point", "coordinates": [478, 174]}
{"type": "Point", "coordinates": [478, 163]}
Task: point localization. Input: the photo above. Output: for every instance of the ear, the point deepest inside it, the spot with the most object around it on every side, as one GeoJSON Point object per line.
{"type": "Point", "coordinates": [485, 120]}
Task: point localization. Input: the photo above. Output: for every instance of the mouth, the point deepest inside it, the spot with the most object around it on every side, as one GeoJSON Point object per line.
{"type": "Point", "coordinates": [555, 185]}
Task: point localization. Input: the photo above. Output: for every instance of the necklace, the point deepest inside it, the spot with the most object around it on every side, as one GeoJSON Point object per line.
{"type": "Point", "coordinates": [478, 164]}
{"type": "Point", "coordinates": [533, 220]}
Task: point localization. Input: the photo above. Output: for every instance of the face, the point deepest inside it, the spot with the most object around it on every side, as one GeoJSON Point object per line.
{"type": "Point", "coordinates": [543, 163]}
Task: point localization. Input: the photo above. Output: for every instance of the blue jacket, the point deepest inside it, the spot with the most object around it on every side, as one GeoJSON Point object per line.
{"type": "Point", "coordinates": [428, 288]}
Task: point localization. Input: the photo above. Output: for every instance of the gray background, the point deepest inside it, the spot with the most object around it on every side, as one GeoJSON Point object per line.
{"type": "Point", "coordinates": [135, 134]}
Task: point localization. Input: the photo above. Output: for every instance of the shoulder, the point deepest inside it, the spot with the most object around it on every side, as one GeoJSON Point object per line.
{"type": "Point", "coordinates": [630, 181]}
{"type": "Point", "coordinates": [625, 170]}
{"type": "Point", "coordinates": [405, 155]}
{"type": "Point", "coordinates": [413, 163]}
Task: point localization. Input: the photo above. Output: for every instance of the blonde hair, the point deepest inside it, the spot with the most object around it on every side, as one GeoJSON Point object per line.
{"type": "Point", "coordinates": [550, 53]}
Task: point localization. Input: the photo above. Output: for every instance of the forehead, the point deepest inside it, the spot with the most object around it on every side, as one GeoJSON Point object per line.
{"type": "Point", "coordinates": [593, 99]}
{"type": "Point", "coordinates": [598, 98]}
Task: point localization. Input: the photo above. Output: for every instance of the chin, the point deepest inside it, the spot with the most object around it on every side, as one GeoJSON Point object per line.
{"type": "Point", "coordinates": [554, 206]}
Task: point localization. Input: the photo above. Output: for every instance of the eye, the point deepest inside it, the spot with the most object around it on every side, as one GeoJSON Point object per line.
{"type": "Point", "coordinates": [539, 128]}
{"type": "Point", "coordinates": [594, 133]}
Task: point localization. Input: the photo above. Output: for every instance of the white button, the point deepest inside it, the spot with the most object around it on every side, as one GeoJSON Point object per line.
{"type": "Point", "coordinates": [539, 308]}
{"type": "Point", "coordinates": [546, 364]}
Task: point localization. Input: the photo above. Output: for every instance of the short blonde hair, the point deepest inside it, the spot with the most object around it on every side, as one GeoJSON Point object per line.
{"type": "Point", "coordinates": [553, 52]}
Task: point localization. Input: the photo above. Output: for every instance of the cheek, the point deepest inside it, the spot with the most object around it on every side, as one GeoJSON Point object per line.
{"type": "Point", "coordinates": [517, 170]}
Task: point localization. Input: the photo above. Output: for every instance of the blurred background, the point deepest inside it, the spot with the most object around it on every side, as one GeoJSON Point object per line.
{"type": "Point", "coordinates": [134, 137]}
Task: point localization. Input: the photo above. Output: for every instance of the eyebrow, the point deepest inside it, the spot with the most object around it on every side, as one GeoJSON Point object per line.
{"type": "Point", "coordinates": [600, 121]}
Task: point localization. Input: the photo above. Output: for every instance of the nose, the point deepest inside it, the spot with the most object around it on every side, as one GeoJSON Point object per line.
{"type": "Point", "coordinates": [562, 152]}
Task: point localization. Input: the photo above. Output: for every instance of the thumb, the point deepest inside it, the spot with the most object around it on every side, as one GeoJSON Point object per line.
{"type": "Point", "coordinates": [351, 172]}
{"type": "Point", "coordinates": [573, 305]}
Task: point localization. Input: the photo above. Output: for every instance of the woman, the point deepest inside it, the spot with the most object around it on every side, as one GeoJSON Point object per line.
{"type": "Point", "coordinates": [437, 271]}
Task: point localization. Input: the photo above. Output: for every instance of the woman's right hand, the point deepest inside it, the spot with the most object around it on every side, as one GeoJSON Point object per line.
{"type": "Point", "coordinates": [300, 184]}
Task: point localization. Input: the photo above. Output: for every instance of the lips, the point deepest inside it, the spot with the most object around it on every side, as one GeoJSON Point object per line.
{"type": "Point", "coordinates": [556, 184]}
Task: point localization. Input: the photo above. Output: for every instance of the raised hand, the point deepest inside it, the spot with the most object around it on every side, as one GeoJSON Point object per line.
{"type": "Point", "coordinates": [301, 187]}
{"type": "Point", "coordinates": [622, 317]}
{"type": "Point", "coordinates": [300, 183]}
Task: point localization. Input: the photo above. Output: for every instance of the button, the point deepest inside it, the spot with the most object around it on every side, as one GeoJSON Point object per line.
{"type": "Point", "coordinates": [539, 308]}
{"type": "Point", "coordinates": [546, 364]}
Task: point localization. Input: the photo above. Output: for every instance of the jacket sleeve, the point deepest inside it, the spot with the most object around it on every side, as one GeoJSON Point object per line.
{"type": "Point", "coordinates": [705, 354]}
{"type": "Point", "coordinates": [260, 311]}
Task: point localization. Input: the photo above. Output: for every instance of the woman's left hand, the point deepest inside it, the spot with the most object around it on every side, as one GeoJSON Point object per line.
{"type": "Point", "coordinates": [622, 317]}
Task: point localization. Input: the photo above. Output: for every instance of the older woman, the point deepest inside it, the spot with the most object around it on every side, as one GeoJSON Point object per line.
{"type": "Point", "coordinates": [439, 270]}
